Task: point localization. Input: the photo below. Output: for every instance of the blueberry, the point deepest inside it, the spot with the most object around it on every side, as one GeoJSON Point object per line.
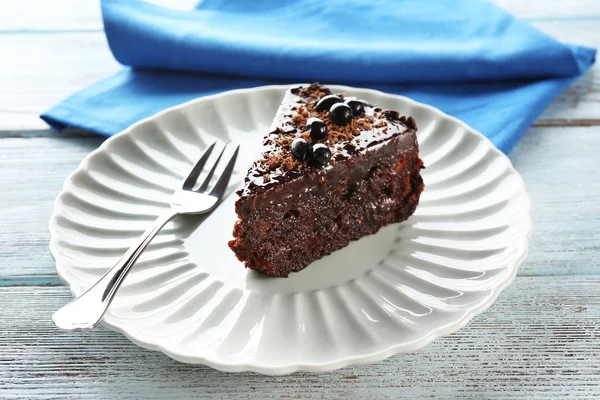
{"type": "Point", "coordinates": [317, 128]}
{"type": "Point", "coordinates": [301, 149]}
{"type": "Point", "coordinates": [357, 106]}
{"type": "Point", "coordinates": [327, 101]}
{"type": "Point", "coordinates": [340, 114]}
{"type": "Point", "coordinates": [321, 154]}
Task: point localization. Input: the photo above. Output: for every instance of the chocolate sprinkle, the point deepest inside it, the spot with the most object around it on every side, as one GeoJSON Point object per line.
{"type": "Point", "coordinates": [362, 132]}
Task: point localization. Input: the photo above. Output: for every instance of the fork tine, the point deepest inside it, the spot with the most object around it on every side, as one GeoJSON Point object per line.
{"type": "Point", "coordinates": [204, 185]}
{"type": "Point", "coordinates": [221, 184]}
{"type": "Point", "coordinates": [195, 172]}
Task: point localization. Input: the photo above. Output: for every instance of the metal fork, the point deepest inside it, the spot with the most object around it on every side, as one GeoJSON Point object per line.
{"type": "Point", "coordinates": [85, 311]}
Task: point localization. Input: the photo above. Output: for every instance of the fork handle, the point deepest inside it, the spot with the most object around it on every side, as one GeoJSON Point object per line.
{"type": "Point", "coordinates": [87, 310]}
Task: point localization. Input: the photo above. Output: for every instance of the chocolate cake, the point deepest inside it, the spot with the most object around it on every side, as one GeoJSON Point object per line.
{"type": "Point", "coordinates": [331, 170]}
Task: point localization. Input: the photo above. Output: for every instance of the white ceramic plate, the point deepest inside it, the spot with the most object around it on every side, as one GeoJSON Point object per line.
{"type": "Point", "coordinates": [388, 293]}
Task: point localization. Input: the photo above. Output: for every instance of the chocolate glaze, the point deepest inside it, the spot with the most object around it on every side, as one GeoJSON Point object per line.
{"type": "Point", "coordinates": [387, 125]}
{"type": "Point", "coordinates": [400, 146]}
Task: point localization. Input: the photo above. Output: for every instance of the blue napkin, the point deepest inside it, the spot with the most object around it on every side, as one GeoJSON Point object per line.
{"type": "Point", "coordinates": [468, 58]}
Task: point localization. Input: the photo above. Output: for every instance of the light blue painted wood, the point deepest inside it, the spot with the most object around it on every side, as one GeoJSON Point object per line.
{"type": "Point", "coordinates": [44, 16]}
{"type": "Point", "coordinates": [32, 172]}
{"type": "Point", "coordinates": [564, 19]}
{"type": "Point", "coordinates": [47, 280]}
{"type": "Point", "coordinates": [560, 168]}
{"type": "Point", "coordinates": [539, 340]}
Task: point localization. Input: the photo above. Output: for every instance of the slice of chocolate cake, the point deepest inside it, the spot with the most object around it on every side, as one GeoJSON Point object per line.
{"type": "Point", "coordinates": [331, 170]}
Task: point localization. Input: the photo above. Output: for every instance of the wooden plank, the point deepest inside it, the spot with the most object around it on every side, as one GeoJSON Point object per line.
{"type": "Point", "coordinates": [542, 10]}
{"type": "Point", "coordinates": [31, 174]}
{"type": "Point", "coordinates": [556, 164]}
{"type": "Point", "coordinates": [539, 340]}
{"type": "Point", "coordinates": [39, 70]}
{"type": "Point", "coordinates": [27, 16]}
{"type": "Point", "coordinates": [70, 15]}
{"type": "Point", "coordinates": [44, 16]}
{"type": "Point", "coordinates": [580, 103]}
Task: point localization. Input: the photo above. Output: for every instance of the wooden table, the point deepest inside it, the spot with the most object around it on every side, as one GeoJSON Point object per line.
{"type": "Point", "coordinates": [541, 339]}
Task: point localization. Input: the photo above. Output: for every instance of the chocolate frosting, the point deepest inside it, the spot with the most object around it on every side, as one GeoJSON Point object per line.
{"type": "Point", "coordinates": [275, 164]}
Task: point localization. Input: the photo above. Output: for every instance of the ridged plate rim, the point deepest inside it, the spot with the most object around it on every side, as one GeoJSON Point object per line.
{"type": "Point", "coordinates": [146, 342]}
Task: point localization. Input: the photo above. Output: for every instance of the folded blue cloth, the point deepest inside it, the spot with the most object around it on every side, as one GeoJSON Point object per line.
{"type": "Point", "coordinates": [468, 58]}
